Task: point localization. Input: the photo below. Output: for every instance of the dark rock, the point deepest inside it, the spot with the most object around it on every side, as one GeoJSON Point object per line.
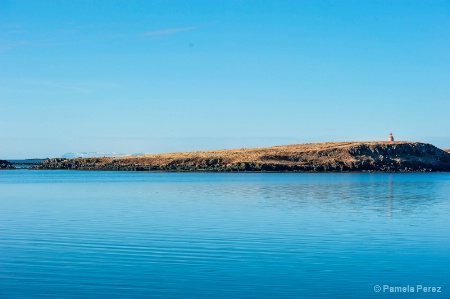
{"type": "Point", "coordinates": [6, 165]}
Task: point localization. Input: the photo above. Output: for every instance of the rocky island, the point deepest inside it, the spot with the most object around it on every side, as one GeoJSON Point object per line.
{"type": "Point", "coordinates": [6, 165]}
{"type": "Point", "coordinates": [390, 156]}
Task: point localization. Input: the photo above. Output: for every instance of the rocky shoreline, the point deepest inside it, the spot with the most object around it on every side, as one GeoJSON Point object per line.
{"type": "Point", "coordinates": [6, 165]}
{"type": "Point", "coordinates": [314, 157]}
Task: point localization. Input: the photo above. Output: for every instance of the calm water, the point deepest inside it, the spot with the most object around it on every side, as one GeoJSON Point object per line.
{"type": "Point", "coordinates": [74, 234]}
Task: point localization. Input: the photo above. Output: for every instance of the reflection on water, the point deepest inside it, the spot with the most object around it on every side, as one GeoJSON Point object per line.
{"type": "Point", "coordinates": [72, 234]}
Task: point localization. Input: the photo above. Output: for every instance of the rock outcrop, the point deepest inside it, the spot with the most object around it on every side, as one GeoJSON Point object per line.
{"type": "Point", "coordinates": [316, 157]}
{"type": "Point", "coordinates": [6, 165]}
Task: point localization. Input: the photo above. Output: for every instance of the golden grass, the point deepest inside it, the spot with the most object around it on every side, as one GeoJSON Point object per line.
{"type": "Point", "coordinates": [313, 151]}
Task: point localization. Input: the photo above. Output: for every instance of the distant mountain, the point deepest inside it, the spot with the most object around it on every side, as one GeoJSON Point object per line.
{"type": "Point", "coordinates": [92, 154]}
{"type": "Point", "coordinates": [98, 154]}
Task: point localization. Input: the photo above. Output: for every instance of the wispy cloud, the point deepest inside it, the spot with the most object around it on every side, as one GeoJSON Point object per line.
{"type": "Point", "coordinates": [16, 38]}
{"type": "Point", "coordinates": [9, 45]}
{"type": "Point", "coordinates": [57, 85]}
{"type": "Point", "coordinates": [168, 31]}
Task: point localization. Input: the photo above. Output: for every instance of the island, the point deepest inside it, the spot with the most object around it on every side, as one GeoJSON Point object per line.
{"type": "Point", "coordinates": [380, 156]}
{"type": "Point", "coordinates": [6, 165]}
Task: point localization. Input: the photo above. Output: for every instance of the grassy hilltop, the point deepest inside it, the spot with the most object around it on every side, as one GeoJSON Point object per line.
{"type": "Point", "coordinates": [396, 156]}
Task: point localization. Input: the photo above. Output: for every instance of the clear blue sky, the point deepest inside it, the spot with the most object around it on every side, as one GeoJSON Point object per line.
{"type": "Point", "coordinates": [155, 76]}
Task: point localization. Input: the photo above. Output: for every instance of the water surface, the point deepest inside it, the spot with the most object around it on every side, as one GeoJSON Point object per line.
{"type": "Point", "coordinates": [79, 234]}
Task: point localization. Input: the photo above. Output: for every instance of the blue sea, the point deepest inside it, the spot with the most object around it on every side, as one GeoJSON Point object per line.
{"type": "Point", "coordinates": [80, 234]}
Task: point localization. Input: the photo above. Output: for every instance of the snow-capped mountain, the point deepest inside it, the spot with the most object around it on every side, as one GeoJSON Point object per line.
{"type": "Point", "coordinates": [93, 154]}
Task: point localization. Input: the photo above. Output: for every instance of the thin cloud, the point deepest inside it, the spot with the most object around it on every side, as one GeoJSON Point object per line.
{"type": "Point", "coordinates": [168, 31]}
{"type": "Point", "coordinates": [57, 85]}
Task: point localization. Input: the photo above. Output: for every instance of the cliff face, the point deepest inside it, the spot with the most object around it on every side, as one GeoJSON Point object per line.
{"type": "Point", "coordinates": [6, 165]}
{"type": "Point", "coordinates": [320, 157]}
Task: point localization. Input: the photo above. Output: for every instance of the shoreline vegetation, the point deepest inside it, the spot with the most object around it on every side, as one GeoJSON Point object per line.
{"type": "Point", "coordinates": [381, 156]}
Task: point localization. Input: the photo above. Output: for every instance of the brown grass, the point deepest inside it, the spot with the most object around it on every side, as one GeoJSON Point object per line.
{"type": "Point", "coordinates": [309, 151]}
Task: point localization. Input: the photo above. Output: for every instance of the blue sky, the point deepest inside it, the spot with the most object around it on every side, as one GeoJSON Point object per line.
{"type": "Point", "coordinates": [156, 76]}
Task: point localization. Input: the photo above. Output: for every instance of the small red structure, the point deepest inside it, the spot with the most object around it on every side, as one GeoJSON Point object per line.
{"type": "Point", "coordinates": [391, 138]}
